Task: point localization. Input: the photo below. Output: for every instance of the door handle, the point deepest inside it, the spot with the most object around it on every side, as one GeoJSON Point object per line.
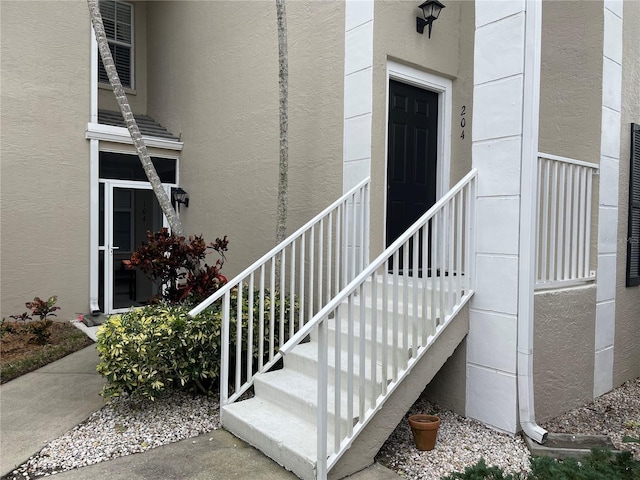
{"type": "Point", "coordinates": [114, 248]}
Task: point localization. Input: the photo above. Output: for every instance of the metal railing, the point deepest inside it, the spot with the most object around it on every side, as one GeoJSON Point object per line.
{"type": "Point", "coordinates": [565, 188]}
{"type": "Point", "coordinates": [386, 318]}
{"type": "Point", "coordinates": [271, 300]}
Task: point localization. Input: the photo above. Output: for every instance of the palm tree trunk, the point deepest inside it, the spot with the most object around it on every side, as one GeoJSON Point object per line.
{"type": "Point", "coordinates": [283, 80]}
{"type": "Point", "coordinates": [132, 126]}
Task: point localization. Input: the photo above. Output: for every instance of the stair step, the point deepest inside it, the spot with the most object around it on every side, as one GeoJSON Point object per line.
{"type": "Point", "coordinates": [424, 331]}
{"type": "Point", "coordinates": [304, 359]}
{"type": "Point", "coordinates": [296, 392]}
{"type": "Point", "coordinates": [278, 433]}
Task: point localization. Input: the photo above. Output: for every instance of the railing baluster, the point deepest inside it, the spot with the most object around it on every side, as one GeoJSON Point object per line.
{"type": "Point", "coordinates": [394, 331]}
{"type": "Point", "coordinates": [337, 346]}
{"type": "Point", "coordinates": [354, 236]}
{"type": "Point", "coordinates": [261, 315]}
{"type": "Point", "coordinates": [283, 295]}
{"type": "Point", "coordinates": [581, 222]}
{"type": "Point", "coordinates": [406, 268]}
{"type": "Point", "coordinates": [543, 176]}
{"type": "Point", "coordinates": [350, 351]}
{"type": "Point", "coordinates": [459, 240]}
{"type": "Point", "coordinates": [312, 273]}
{"type": "Point", "coordinates": [362, 373]}
{"type": "Point", "coordinates": [385, 325]}
{"type": "Point", "coordinates": [250, 330]}
{"type": "Point", "coordinates": [321, 423]}
{"type": "Point", "coordinates": [302, 293]}
{"type": "Point", "coordinates": [239, 337]}
{"type": "Point", "coordinates": [374, 338]}
{"type": "Point", "coordinates": [424, 232]}
{"type": "Point", "coordinates": [574, 222]}
{"type": "Point", "coordinates": [224, 368]}
{"type": "Point", "coordinates": [320, 260]}
{"type": "Point", "coordinates": [434, 273]}
{"type": "Point", "coordinates": [450, 246]}
{"type": "Point", "coordinates": [292, 292]}
{"type": "Point", "coordinates": [329, 293]}
{"type": "Point", "coordinates": [553, 270]}
{"type": "Point", "coordinates": [272, 311]}
{"type": "Point", "coordinates": [414, 290]}
{"type": "Point", "coordinates": [561, 201]}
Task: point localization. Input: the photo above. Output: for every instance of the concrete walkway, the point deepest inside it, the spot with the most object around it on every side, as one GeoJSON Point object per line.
{"type": "Point", "coordinates": [40, 406]}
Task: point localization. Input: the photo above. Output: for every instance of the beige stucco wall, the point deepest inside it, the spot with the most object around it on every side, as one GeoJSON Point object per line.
{"type": "Point", "coordinates": [626, 363]}
{"type": "Point", "coordinates": [571, 79]}
{"type": "Point", "coordinates": [45, 157]}
{"type": "Point", "coordinates": [564, 342]}
{"type": "Point", "coordinates": [448, 53]}
{"type": "Point", "coordinates": [213, 77]}
{"type": "Point", "coordinates": [138, 95]}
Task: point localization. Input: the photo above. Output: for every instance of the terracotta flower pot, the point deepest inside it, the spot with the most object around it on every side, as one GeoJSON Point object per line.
{"type": "Point", "coordinates": [425, 430]}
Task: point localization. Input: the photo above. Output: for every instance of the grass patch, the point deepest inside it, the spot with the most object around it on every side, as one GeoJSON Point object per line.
{"type": "Point", "coordinates": [20, 354]}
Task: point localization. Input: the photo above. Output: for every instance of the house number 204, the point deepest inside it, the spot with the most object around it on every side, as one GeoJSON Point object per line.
{"type": "Point", "coordinates": [463, 120]}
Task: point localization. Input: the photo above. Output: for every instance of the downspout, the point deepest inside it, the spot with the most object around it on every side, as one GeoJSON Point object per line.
{"type": "Point", "coordinates": [528, 220]}
{"type": "Point", "coordinates": [94, 155]}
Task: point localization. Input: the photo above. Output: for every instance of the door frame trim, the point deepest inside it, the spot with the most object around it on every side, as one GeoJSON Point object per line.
{"type": "Point", "coordinates": [444, 88]}
{"type": "Point", "coordinates": [94, 243]}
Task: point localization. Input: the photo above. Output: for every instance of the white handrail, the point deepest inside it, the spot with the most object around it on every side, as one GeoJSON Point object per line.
{"type": "Point", "coordinates": [275, 250]}
{"type": "Point", "coordinates": [377, 263]}
{"type": "Point", "coordinates": [273, 298]}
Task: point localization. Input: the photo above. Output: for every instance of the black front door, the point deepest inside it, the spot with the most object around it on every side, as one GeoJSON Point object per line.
{"type": "Point", "coordinates": [412, 156]}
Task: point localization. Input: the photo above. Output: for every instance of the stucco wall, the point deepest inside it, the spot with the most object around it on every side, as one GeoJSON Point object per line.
{"type": "Point", "coordinates": [138, 95]}
{"type": "Point", "coordinates": [213, 77]}
{"type": "Point", "coordinates": [564, 339]}
{"type": "Point", "coordinates": [448, 53]}
{"type": "Point", "coordinates": [571, 79]}
{"type": "Point", "coordinates": [626, 351]}
{"type": "Point", "coordinates": [45, 157]}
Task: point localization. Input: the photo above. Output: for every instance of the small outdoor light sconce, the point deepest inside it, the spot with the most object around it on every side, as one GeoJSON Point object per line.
{"type": "Point", "coordinates": [431, 10]}
{"type": "Point", "coordinates": [180, 197]}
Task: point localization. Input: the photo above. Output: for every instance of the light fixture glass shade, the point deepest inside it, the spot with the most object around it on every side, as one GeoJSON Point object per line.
{"type": "Point", "coordinates": [179, 195]}
{"type": "Point", "coordinates": [431, 9]}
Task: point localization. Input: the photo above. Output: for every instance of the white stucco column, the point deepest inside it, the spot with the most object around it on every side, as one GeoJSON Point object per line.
{"type": "Point", "coordinates": [358, 99]}
{"type": "Point", "coordinates": [499, 137]}
{"type": "Point", "coordinates": [608, 203]}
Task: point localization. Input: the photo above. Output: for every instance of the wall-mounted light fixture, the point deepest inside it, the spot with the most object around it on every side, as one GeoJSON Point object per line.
{"type": "Point", "coordinates": [179, 196]}
{"type": "Point", "coordinates": [430, 10]}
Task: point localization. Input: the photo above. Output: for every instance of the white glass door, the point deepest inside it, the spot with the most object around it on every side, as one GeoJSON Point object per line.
{"type": "Point", "coordinates": [131, 210]}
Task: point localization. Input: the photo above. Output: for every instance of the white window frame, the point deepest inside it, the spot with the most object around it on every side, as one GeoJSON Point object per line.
{"type": "Point", "coordinates": [131, 46]}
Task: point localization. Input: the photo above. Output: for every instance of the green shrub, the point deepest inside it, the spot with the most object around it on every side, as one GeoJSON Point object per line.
{"type": "Point", "coordinates": [598, 465]}
{"type": "Point", "coordinates": [154, 349]}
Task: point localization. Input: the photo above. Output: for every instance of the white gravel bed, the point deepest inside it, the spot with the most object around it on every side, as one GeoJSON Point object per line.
{"type": "Point", "coordinates": [461, 442]}
{"type": "Point", "coordinates": [122, 427]}
{"type": "Point", "coordinates": [125, 426]}
{"type": "Point", "coordinates": [615, 414]}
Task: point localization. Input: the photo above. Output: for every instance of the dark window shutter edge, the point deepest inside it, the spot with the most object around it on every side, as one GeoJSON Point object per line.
{"type": "Point", "coordinates": [633, 229]}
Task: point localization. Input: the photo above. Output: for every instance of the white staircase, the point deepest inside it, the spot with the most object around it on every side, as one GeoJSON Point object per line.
{"type": "Point", "coordinates": [280, 420]}
{"type": "Point", "coordinates": [362, 341]}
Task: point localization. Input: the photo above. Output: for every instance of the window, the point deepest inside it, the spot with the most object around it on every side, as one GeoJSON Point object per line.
{"type": "Point", "coordinates": [118, 25]}
{"type": "Point", "coordinates": [633, 237]}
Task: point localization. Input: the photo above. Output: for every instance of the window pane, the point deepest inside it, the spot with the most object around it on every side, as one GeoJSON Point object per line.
{"type": "Point", "coordinates": [108, 10]}
{"type": "Point", "coordinates": [122, 59]}
{"type": "Point", "coordinates": [120, 166]}
{"type": "Point", "coordinates": [109, 28]}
